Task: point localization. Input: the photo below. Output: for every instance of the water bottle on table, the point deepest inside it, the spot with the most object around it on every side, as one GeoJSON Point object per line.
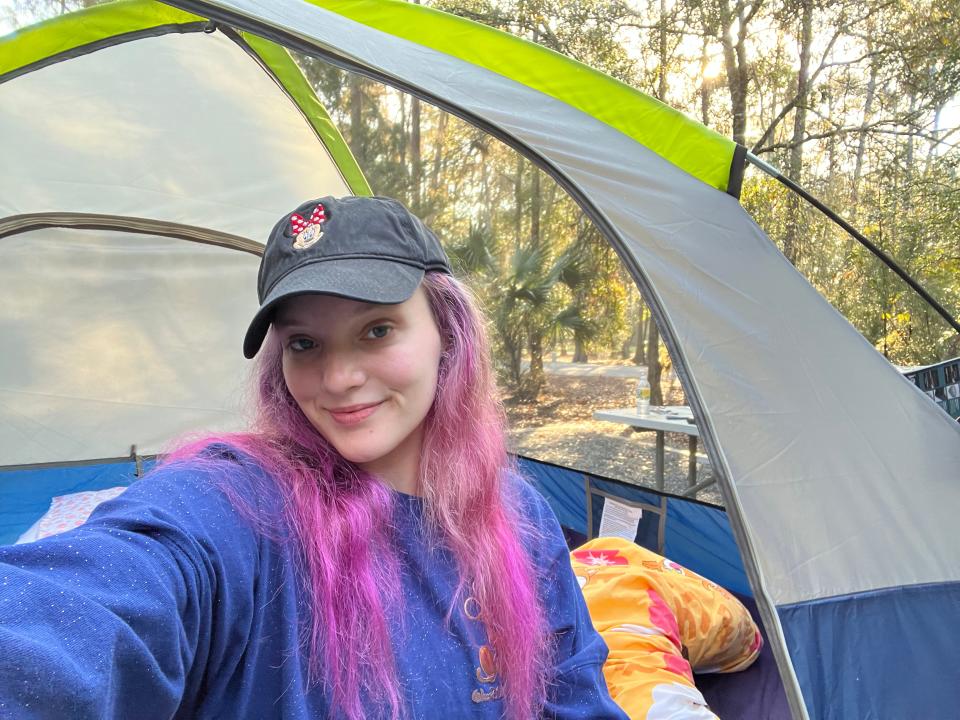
{"type": "Point", "coordinates": [643, 393]}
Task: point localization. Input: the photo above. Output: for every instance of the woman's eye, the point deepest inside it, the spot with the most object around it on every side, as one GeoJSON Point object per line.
{"type": "Point", "coordinates": [301, 344]}
{"type": "Point", "coordinates": [378, 331]}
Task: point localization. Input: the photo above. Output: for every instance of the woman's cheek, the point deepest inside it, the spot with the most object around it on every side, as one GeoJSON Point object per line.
{"type": "Point", "coordinates": [300, 381]}
{"type": "Point", "coordinates": [402, 369]}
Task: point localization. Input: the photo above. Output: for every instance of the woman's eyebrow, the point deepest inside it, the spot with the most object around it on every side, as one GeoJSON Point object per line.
{"type": "Point", "coordinates": [360, 309]}
{"type": "Point", "coordinates": [363, 308]}
{"type": "Point", "coordinates": [286, 322]}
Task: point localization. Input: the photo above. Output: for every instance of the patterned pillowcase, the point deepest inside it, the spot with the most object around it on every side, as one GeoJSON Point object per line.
{"type": "Point", "coordinates": [659, 619]}
{"type": "Point", "coordinates": [67, 512]}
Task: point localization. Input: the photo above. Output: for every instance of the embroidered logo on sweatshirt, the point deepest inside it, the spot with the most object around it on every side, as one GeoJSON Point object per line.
{"type": "Point", "coordinates": [486, 671]}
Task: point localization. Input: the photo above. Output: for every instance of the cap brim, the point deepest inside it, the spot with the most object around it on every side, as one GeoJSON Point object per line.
{"type": "Point", "coordinates": [371, 280]}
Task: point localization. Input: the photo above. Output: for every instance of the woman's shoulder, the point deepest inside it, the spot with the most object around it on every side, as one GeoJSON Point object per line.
{"type": "Point", "coordinates": [207, 480]}
{"type": "Point", "coordinates": [200, 464]}
{"type": "Point", "coordinates": [520, 490]}
{"type": "Point", "coordinates": [532, 510]}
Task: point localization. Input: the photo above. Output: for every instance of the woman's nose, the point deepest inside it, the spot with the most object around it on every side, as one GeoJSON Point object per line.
{"type": "Point", "coordinates": [342, 371]}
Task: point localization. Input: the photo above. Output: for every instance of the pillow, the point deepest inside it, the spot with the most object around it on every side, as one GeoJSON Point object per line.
{"type": "Point", "coordinates": [67, 512]}
{"type": "Point", "coordinates": [659, 619]}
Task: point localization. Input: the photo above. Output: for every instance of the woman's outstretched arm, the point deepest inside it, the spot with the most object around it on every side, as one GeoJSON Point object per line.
{"type": "Point", "coordinates": [114, 619]}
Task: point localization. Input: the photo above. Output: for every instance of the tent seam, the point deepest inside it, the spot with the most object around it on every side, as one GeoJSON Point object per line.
{"type": "Point", "coordinates": [104, 43]}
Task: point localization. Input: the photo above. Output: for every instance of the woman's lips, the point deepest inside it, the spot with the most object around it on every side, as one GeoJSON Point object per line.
{"type": "Point", "coordinates": [353, 414]}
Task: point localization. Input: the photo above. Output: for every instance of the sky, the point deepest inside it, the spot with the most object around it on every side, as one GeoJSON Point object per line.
{"type": "Point", "coordinates": [950, 117]}
{"type": "Point", "coordinates": [6, 17]}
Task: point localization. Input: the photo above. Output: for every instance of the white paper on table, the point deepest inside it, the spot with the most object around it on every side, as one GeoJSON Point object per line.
{"type": "Point", "coordinates": [620, 520]}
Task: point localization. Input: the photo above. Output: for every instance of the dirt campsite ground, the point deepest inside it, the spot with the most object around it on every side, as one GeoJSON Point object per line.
{"type": "Point", "coordinates": [560, 428]}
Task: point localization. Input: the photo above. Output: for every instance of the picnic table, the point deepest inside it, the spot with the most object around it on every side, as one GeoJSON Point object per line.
{"type": "Point", "coordinates": [663, 419]}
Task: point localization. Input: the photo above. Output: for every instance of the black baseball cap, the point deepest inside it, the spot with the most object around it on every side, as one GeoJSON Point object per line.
{"type": "Point", "coordinates": [370, 249]}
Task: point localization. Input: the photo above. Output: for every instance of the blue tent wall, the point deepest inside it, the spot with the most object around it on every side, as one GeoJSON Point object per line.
{"type": "Point", "coordinates": [855, 629]}
{"type": "Point", "coordinates": [25, 494]}
{"type": "Point", "coordinates": [697, 535]}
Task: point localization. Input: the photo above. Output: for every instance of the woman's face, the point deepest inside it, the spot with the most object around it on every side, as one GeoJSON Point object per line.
{"type": "Point", "coordinates": [365, 376]}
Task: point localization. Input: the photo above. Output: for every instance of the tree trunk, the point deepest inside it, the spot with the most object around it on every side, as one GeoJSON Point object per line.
{"type": "Point", "coordinates": [862, 143]}
{"type": "Point", "coordinates": [934, 138]}
{"type": "Point", "coordinates": [438, 150]}
{"type": "Point", "coordinates": [535, 205]}
{"type": "Point", "coordinates": [831, 146]}
{"type": "Point", "coordinates": [791, 240]}
{"type": "Point", "coordinates": [653, 364]}
{"type": "Point", "coordinates": [662, 69]}
{"type": "Point", "coordinates": [416, 159]}
{"type": "Point", "coordinates": [355, 101]}
{"type": "Point", "coordinates": [735, 61]}
{"type": "Point", "coordinates": [535, 377]}
{"type": "Point", "coordinates": [579, 349]}
{"type": "Point", "coordinates": [910, 142]}
{"type": "Point", "coordinates": [705, 87]}
{"type": "Point", "coordinates": [518, 201]}
{"type": "Point", "coordinates": [627, 345]}
{"type": "Point", "coordinates": [653, 335]}
{"type": "Point", "coordinates": [514, 358]}
{"type": "Point", "coordinates": [843, 288]}
{"type": "Point", "coordinates": [639, 356]}
{"type": "Point", "coordinates": [416, 155]}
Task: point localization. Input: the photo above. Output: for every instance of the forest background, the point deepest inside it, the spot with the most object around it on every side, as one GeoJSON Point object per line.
{"type": "Point", "coordinates": [856, 101]}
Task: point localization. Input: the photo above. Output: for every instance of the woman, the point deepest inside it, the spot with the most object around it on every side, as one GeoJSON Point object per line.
{"type": "Point", "coordinates": [364, 551]}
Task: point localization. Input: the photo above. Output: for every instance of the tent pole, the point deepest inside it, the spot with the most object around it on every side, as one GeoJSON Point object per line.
{"type": "Point", "coordinates": [886, 259]}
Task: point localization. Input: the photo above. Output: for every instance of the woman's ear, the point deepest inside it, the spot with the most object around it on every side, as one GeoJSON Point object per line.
{"type": "Point", "coordinates": [446, 350]}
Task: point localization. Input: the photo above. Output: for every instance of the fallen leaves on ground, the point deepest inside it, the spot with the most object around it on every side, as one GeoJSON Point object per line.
{"type": "Point", "coordinates": [560, 429]}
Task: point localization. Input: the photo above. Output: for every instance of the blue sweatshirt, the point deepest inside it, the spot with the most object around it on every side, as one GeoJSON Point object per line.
{"type": "Point", "coordinates": [169, 604]}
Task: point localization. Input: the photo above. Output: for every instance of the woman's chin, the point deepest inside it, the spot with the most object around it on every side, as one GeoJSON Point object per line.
{"type": "Point", "coordinates": [360, 458]}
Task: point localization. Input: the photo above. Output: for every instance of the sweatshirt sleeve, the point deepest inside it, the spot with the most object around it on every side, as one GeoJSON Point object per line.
{"type": "Point", "coordinates": [578, 690]}
{"type": "Point", "coordinates": [114, 619]}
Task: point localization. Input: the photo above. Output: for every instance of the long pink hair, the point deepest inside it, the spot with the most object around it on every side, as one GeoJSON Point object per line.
{"type": "Point", "coordinates": [341, 519]}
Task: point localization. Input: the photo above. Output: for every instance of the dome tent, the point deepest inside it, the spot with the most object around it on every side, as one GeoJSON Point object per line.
{"type": "Point", "coordinates": [834, 469]}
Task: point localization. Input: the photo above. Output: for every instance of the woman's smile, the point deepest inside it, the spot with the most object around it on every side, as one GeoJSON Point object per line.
{"type": "Point", "coordinates": [354, 414]}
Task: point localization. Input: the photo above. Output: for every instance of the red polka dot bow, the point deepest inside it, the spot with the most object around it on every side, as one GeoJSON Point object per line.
{"type": "Point", "coordinates": [307, 232]}
{"type": "Point", "coordinates": [298, 224]}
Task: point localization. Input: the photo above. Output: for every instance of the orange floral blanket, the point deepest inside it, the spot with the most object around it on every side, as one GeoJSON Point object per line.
{"type": "Point", "coordinates": [661, 622]}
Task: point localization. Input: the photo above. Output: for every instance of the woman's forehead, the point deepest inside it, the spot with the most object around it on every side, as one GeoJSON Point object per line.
{"type": "Point", "coordinates": [302, 308]}
{"type": "Point", "coordinates": [308, 308]}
